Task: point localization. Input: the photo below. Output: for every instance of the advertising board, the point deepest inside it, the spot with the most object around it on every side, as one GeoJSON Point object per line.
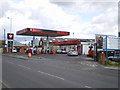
{"type": "Point", "coordinates": [107, 42]}
{"type": "Point", "coordinates": [99, 41]}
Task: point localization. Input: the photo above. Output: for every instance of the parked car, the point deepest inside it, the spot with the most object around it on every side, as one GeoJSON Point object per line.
{"type": "Point", "coordinates": [59, 51]}
{"type": "Point", "coordinates": [64, 52]}
{"type": "Point", "coordinates": [72, 53]}
{"type": "Point", "coordinates": [14, 50]}
{"type": "Point", "coordinates": [115, 58]}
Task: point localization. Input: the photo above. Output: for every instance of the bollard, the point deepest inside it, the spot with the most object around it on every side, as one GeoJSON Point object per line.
{"type": "Point", "coordinates": [29, 55]}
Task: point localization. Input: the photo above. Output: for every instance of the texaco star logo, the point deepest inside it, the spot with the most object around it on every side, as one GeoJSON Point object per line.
{"type": "Point", "coordinates": [10, 36]}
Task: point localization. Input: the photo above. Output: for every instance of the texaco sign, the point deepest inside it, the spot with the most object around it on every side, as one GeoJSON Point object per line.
{"type": "Point", "coordinates": [10, 36]}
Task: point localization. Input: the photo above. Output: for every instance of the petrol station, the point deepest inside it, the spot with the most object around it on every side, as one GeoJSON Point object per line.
{"type": "Point", "coordinates": [42, 32]}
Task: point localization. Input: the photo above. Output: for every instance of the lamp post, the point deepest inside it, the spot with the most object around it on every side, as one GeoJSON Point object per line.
{"type": "Point", "coordinates": [10, 32]}
{"type": "Point", "coordinates": [10, 24]}
{"type": "Point", "coordinates": [73, 34]}
{"type": "Point", "coordinates": [25, 43]}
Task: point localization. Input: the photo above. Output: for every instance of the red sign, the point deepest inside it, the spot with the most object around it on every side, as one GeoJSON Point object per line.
{"type": "Point", "coordinates": [10, 36]}
{"type": "Point", "coordinates": [64, 33]}
{"type": "Point", "coordinates": [35, 30]}
{"type": "Point", "coordinates": [24, 30]}
{"type": "Point", "coordinates": [67, 42]}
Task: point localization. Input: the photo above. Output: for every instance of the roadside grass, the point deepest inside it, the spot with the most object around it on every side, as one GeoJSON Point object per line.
{"type": "Point", "coordinates": [112, 63]}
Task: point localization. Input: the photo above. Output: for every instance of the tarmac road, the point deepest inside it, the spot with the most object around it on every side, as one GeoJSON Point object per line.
{"type": "Point", "coordinates": [56, 71]}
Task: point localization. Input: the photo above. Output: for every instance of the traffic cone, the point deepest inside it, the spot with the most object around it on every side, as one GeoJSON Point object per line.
{"type": "Point", "coordinates": [29, 55]}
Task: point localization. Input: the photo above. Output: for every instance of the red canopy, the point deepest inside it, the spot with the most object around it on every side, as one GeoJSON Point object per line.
{"type": "Point", "coordinates": [41, 32]}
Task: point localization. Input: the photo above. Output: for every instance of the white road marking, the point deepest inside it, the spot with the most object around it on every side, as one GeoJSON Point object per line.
{"type": "Point", "coordinates": [74, 57]}
{"type": "Point", "coordinates": [88, 87]}
{"type": "Point", "coordinates": [90, 64]}
{"type": "Point", "coordinates": [111, 67]}
{"type": "Point", "coordinates": [51, 75]}
{"type": "Point", "coordinates": [10, 62]}
{"type": "Point", "coordinates": [25, 67]}
{"type": "Point", "coordinates": [0, 81]}
{"type": "Point", "coordinates": [89, 58]}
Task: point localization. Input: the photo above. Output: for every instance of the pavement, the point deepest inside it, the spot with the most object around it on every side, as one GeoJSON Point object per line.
{"type": "Point", "coordinates": [56, 71]}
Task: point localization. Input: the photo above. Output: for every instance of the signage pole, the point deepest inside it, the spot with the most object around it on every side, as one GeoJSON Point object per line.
{"type": "Point", "coordinates": [106, 51]}
{"type": "Point", "coordinates": [10, 32]}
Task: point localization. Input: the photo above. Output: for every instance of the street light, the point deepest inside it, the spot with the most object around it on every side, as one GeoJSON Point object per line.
{"type": "Point", "coordinates": [10, 32]}
{"type": "Point", "coordinates": [25, 42]}
{"type": "Point", "coordinates": [10, 23]}
{"type": "Point", "coordinates": [73, 34]}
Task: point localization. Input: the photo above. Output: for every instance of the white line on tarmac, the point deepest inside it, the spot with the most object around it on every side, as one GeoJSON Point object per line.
{"type": "Point", "coordinates": [88, 87]}
{"type": "Point", "coordinates": [51, 75]}
{"type": "Point", "coordinates": [111, 67]}
{"type": "Point", "coordinates": [25, 67]}
{"type": "Point", "coordinates": [0, 81]}
{"type": "Point", "coordinates": [10, 62]}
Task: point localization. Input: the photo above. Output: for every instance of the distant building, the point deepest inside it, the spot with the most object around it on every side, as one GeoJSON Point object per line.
{"type": "Point", "coordinates": [2, 44]}
{"type": "Point", "coordinates": [18, 46]}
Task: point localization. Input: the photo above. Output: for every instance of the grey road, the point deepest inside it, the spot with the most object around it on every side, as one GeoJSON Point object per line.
{"type": "Point", "coordinates": [56, 71]}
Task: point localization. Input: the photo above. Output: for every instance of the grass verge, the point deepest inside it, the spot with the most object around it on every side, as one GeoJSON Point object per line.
{"type": "Point", "coordinates": [112, 63]}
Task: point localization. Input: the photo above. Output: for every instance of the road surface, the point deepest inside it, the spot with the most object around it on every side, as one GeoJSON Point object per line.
{"type": "Point", "coordinates": [56, 71]}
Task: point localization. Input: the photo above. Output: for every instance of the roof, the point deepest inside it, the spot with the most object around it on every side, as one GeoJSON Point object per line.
{"type": "Point", "coordinates": [41, 32]}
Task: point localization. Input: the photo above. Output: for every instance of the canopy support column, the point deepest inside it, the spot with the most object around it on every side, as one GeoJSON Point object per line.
{"type": "Point", "coordinates": [33, 44]}
{"type": "Point", "coordinates": [47, 44]}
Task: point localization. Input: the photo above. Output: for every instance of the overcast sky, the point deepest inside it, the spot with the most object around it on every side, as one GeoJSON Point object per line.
{"type": "Point", "coordinates": [83, 17]}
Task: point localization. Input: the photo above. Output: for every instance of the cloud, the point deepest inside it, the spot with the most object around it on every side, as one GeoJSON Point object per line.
{"type": "Point", "coordinates": [84, 18]}
{"type": "Point", "coordinates": [102, 23]}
